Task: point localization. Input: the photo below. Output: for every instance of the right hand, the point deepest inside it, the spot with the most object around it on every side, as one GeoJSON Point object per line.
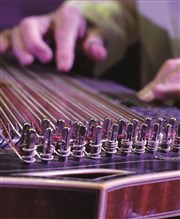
{"type": "Point", "coordinates": [26, 40]}
{"type": "Point", "coordinates": [166, 84]}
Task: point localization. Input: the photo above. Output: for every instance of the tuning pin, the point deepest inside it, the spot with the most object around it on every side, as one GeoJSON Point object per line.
{"type": "Point", "coordinates": [92, 125]}
{"type": "Point", "coordinates": [129, 132]}
{"type": "Point", "coordinates": [121, 130]}
{"type": "Point", "coordinates": [29, 145]}
{"type": "Point", "coordinates": [155, 131]}
{"type": "Point", "coordinates": [121, 127]}
{"type": "Point", "coordinates": [59, 126]}
{"type": "Point", "coordinates": [96, 143]}
{"type": "Point", "coordinates": [126, 142]}
{"type": "Point", "coordinates": [45, 123]}
{"type": "Point", "coordinates": [167, 132]}
{"type": "Point", "coordinates": [176, 144]}
{"type": "Point", "coordinates": [74, 130]}
{"type": "Point", "coordinates": [160, 121]}
{"type": "Point", "coordinates": [47, 148]}
{"type": "Point", "coordinates": [64, 145]}
{"type": "Point", "coordinates": [143, 131]}
{"type": "Point", "coordinates": [111, 143]}
{"type": "Point", "coordinates": [78, 146]}
{"type": "Point", "coordinates": [66, 132]}
{"type": "Point", "coordinates": [153, 141]}
{"type": "Point", "coordinates": [106, 126]}
{"type": "Point", "coordinates": [114, 133]}
{"type": "Point", "coordinates": [148, 122]}
{"type": "Point", "coordinates": [82, 132]}
{"type": "Point", "coordinates": [135, 123]}
{"type": "Point", "coordinates": [139, 145]}
{"type": "Point", "coordinates": [49, 137]}
{"type": "Point", "coordinates": [31, 139]}
{"type": "Point", "coordinates": [25, 129]}
{"type": "Point", "coordinates": [172, 121]}
{"type": "Point", "coordinates": [166, 141]}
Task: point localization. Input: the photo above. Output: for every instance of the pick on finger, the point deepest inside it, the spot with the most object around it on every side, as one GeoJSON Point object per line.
{"type": "Point", "coordinates": [93, 46]}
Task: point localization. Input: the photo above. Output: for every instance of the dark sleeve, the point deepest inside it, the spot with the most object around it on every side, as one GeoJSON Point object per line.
{"type": "Point", "coordinates": [12, 11]}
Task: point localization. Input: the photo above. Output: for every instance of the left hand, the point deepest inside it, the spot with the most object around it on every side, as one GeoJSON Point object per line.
{"type": "Point", "coordinates": [166, 84]}
{"type": "Point", "coordinates": [68, 24]}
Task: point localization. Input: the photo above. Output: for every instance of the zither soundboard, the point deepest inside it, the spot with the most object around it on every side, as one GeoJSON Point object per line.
{"type": "Point", "coordinates": [74, 147]}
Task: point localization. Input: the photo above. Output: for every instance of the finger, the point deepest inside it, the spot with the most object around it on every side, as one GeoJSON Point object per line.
{"type": "Point", "coordinates": [165, 88]}
{"type": "Point", "coordinates": [5, 40]}
{"type": "Point", "coordinates": [32, 31]}
{"type": "Point", "coordinates": [93, 46]}
{"type": "Point", "coordinates": [68, 27]}
{"type": "Point", "coordinates": [162, 92]}
{"type": "Point", "coordinates": [18, 48]}
{"type": "Point", "coordinates": [167, 67]}
{"type": "Point", "coordinates": [170, 86]}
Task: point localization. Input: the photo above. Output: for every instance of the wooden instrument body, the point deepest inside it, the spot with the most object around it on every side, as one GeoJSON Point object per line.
{"type": "Point", "coordinates": [119, 187]}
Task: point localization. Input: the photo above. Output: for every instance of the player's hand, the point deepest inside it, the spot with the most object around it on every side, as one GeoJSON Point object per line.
{"type": "Point", "coordinates": [166, 84]}
{"type": "Point", "coordinates": [68, 24]}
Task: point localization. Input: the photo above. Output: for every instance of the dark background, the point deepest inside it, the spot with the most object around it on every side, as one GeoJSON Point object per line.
{"type": "Point", "coordinates": [12, 11]}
